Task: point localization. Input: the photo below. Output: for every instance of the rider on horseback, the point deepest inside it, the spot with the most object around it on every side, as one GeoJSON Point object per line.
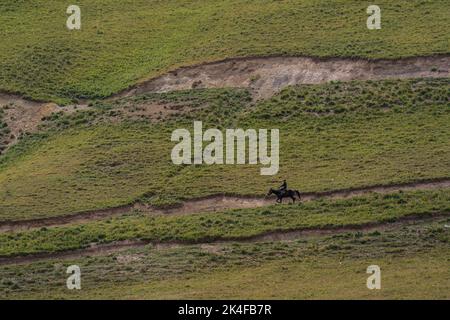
{"type": "Point", "coordinates": [283, 192]}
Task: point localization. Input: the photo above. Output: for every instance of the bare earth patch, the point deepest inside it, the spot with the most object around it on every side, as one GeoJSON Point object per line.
{"type": "Point", "coordinates": [24, 116]}
{"type": "Point", "coordinates": [265, 76]}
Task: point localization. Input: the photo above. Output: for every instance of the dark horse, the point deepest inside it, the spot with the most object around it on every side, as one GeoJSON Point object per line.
{"type": "Point", "coordinates": [284, 194]}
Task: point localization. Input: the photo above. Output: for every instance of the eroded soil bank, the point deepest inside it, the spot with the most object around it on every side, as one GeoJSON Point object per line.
{"type": "Point", "coordinates": [265, 76]}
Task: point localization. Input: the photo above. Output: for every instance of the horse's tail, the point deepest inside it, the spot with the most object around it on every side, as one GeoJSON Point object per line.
{"type": "Point", "coordinates": [298, 194]}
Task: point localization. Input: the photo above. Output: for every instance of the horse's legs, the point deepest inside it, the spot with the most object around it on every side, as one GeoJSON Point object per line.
{"type": "Point", "coordinates": [293, 199]}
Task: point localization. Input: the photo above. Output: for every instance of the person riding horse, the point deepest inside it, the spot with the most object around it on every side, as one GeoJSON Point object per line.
{"type": "Point", "coordinates": [284, 192]}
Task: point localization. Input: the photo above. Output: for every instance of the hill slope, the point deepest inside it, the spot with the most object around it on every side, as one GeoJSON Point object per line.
{"type": "Point", "coordinates": [122, 42]}
{"type": "Point", "coordinates": [333, 136]}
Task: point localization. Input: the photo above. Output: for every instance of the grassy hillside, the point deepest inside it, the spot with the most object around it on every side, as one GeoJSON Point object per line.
{"type": "Point", "coordinates": [234, 224]}
{"type": "Point", "coordinates": [102, 153]}
{"type": "Point", "coordinates": [333, 136]}
{"type": "Point", "coordinates": [413, 259]}
{"type": "Point", "coordinates": [122, 42]}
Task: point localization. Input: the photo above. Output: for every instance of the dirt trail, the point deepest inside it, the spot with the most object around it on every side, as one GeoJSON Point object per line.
{"type": "Point", "coordinates": [214, 245]}
{"type": "Point", "coordinates": [265, 76]}
{"type": "Point", "coordinates": [216, 203]}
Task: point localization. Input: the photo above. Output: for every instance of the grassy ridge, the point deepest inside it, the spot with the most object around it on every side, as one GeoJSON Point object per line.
{"type": "Point", "coordinates": [85, 163]}
{"type": "Point", "coordinates": [122, 42]}
{"type": "Point", "coordinates": [233, 224]}
{"type": "Point", "coordinates": [413, 259]}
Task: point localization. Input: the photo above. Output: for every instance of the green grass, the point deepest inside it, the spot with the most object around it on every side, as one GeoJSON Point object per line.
{"type": "Point", "coordinates": [234, 224]}
{"type": "Point", "coordinates": [333, 136]}
{"type": "Point", "coordinates": [122, 42]}
{"type": "Point", "coordinates": [413, 260]}
{"type": "Point", "coordinates": [5, 132]}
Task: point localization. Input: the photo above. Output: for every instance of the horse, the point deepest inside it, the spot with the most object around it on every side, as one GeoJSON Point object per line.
{"type": "Point", "coordinates": [286, 194]}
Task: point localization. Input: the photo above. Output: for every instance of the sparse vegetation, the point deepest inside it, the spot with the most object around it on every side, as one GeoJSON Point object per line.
{"type": "Point", "coordinates": [414, 261]}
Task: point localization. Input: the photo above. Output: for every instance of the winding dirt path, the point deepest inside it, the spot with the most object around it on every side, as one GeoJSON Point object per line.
{"type": "Point", "coordinates": [217, 203]}
{"type": "Point", "coordinates": [266, 76]}
{"type": "Point", "coordinates": [211, 245]}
